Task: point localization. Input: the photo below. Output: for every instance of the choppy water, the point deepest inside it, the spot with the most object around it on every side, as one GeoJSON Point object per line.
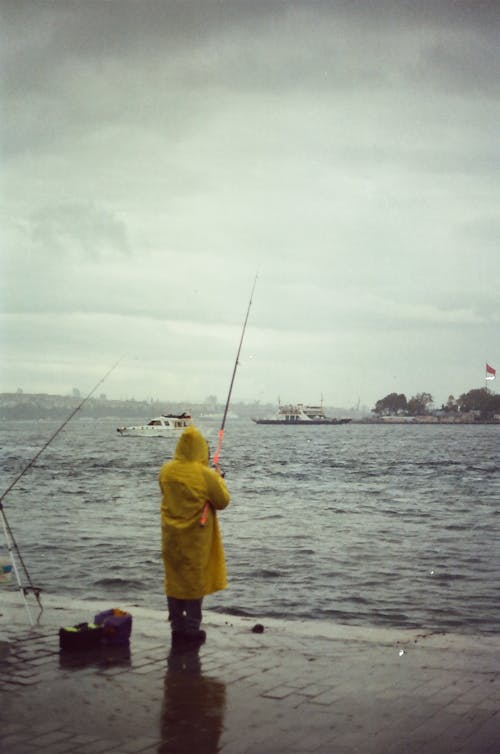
{"type": "Point", "coordinates": [371, 525]}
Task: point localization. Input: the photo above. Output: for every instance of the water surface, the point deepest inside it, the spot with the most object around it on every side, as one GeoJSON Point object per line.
{"type": "Point", "coordinates": [361, 524]}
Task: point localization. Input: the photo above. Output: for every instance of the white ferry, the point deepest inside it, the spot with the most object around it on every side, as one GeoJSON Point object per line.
{"type": "Point", "coordinates": [300, 414]}
{"type": "Point", "coordinates": [162, 426]}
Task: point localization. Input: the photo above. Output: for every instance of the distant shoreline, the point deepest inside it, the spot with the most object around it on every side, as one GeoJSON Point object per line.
{"type": "Point", "coordinates": [42, 406]}
{"type": "Point", "coordinates": [430, 421]}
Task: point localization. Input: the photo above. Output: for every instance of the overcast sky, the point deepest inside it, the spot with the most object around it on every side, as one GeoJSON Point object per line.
{"type": "Point", "coordinates": [157, 155]}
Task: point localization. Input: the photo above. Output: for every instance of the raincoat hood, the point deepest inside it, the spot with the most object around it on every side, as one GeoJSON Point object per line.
{"type": "Point", "coordinates": [192, 446]}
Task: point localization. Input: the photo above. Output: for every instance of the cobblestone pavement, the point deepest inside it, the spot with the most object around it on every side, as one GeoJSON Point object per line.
{"type": "Point", "coordinates": [295, 688]}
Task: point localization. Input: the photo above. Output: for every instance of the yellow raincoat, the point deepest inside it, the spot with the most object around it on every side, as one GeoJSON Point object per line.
{"type": "Point", "coordinates": [193, 555]}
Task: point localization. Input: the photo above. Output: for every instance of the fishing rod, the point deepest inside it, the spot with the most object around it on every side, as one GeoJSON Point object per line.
{"type": "Point", "coordinates": [221, 430]}
{"type": "Point", "coordinates": [204, 514]}
{"type": "Point", "coordinates": [10, 540]}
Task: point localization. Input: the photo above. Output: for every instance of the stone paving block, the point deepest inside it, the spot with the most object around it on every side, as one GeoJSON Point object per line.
{"type": "Point", "coordinates": [138, 745]}
{"type": "Point", "coordinates": [7, 742]}
{"type": "Point", "coordinates": [97, 747]}
{"type": "Point", "coordinates": [338, 747]}
{"type": "Point", "coordinates": [8, 728]}
{"type": "Point", "coordinates": [475, 697]}
{"type": "Point", "coordinates": [296, 700]}
{"type": "Point", "coordinates": [436, 725]}
{"type": "Point", "coordinates": [328, 697]}
{"type": "Point", "coordinates": [280, 692]}
{"type": "Point", "coordinates": [491, 727]}
{"type": "Point", "coordinates": [409, 746]}
{"type": "Point", "coordinates": [461, 709]}
{"type": "Point", "coordinates": [18, 682]}
{"type": "Point", "coordinates": [435, 684]}
{"type": "Point", "coordinates": [51, 738]}
{"type": "Point", "coordinates": [452, 742]}
{"type": "Point", "coordinates": [79, 740]}
{"type": "Point", "coordinates": [481, 749]}
{"type": "Point", "coordinates": [146, 669]}
{"type": "Point", "coordinates": [313, 689]}
{"type": "Point", "coordinates": [489, 703]}
{"type": "Point", "coordinates": [42, 727]}
{"type": "Point", "coordinates": [41, 661]}
{"type": "Point", "coordinates": [267, 747]}
{"type": "Point", "coordinates": [19, 747]}
{"type": "Point", "coordinates": [465, 682]}
{"type": "Point", "coordinates": [250, 678]}
{"type": "Point", "coordinates": [65, 746]}
{"type": "Point", "coordinates": [309, 739]}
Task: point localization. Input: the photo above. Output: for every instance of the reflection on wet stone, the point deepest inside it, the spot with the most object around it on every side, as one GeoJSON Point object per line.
{"type": "Point", "coordinates": [192, 714]}
{"type": "Point", "coordinates": [101, 657]}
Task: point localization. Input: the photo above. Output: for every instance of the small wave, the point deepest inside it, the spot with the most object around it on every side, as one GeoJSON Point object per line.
{"type": "Point", "coordinates": [229, 610]}
{"type": "Point", "coordinates": [354, 599]}
{"type": "Point", "coordinates": [117, 582]}
{"type": "Point", "coordinates": [265, 573]}
{"type": "Point", "coordinates": [393, 617]}
{"type": "Point", "coordinates": [340, 511]}
{"type": "Point", "coordinates": [445, 577]}
{"type": "Point", "coordinates": [489, 469]}
{"type": "Point", "coordinates": [439, 464]}
{"type": "Point", "coordinates": [340, 616]}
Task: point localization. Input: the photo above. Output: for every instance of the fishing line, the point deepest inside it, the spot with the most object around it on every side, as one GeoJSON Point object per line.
{"type": "Point", "coordinates": [12, 546]}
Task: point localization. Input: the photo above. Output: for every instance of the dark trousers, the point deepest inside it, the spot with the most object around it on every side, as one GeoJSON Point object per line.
{"type": "Point", "coordinates": [184, 615]}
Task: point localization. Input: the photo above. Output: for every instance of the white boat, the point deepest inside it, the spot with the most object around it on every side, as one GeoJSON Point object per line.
{"type": "Point", "coordinates": [161, 426]}
{"type": "Point", "coordinates": [300, 414]}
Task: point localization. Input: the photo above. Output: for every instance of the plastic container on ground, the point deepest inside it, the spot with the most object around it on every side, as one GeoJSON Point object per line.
{"type": "Point", "coordinates": [117, 625]}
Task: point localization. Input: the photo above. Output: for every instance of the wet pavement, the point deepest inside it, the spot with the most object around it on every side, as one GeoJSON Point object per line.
{"type": "Point", "coordinates": [298, 687]}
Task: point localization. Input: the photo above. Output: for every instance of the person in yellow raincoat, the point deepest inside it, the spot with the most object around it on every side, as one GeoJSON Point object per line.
{"type": "Point", "coordinates": [193, 553]}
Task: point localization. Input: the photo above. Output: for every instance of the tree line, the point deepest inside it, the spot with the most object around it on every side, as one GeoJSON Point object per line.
{"type": "Point", "coordinates": [480, 400]}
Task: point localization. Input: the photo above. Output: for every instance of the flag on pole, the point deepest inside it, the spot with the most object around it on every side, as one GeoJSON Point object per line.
{"type": "Point", "coordinates": [490, 372]}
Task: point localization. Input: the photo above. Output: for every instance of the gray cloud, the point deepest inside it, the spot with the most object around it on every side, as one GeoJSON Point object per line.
{"type": "Point", "coordinates": [78, 230]}
{"type": "Point", "coordinates": [157, 154]}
